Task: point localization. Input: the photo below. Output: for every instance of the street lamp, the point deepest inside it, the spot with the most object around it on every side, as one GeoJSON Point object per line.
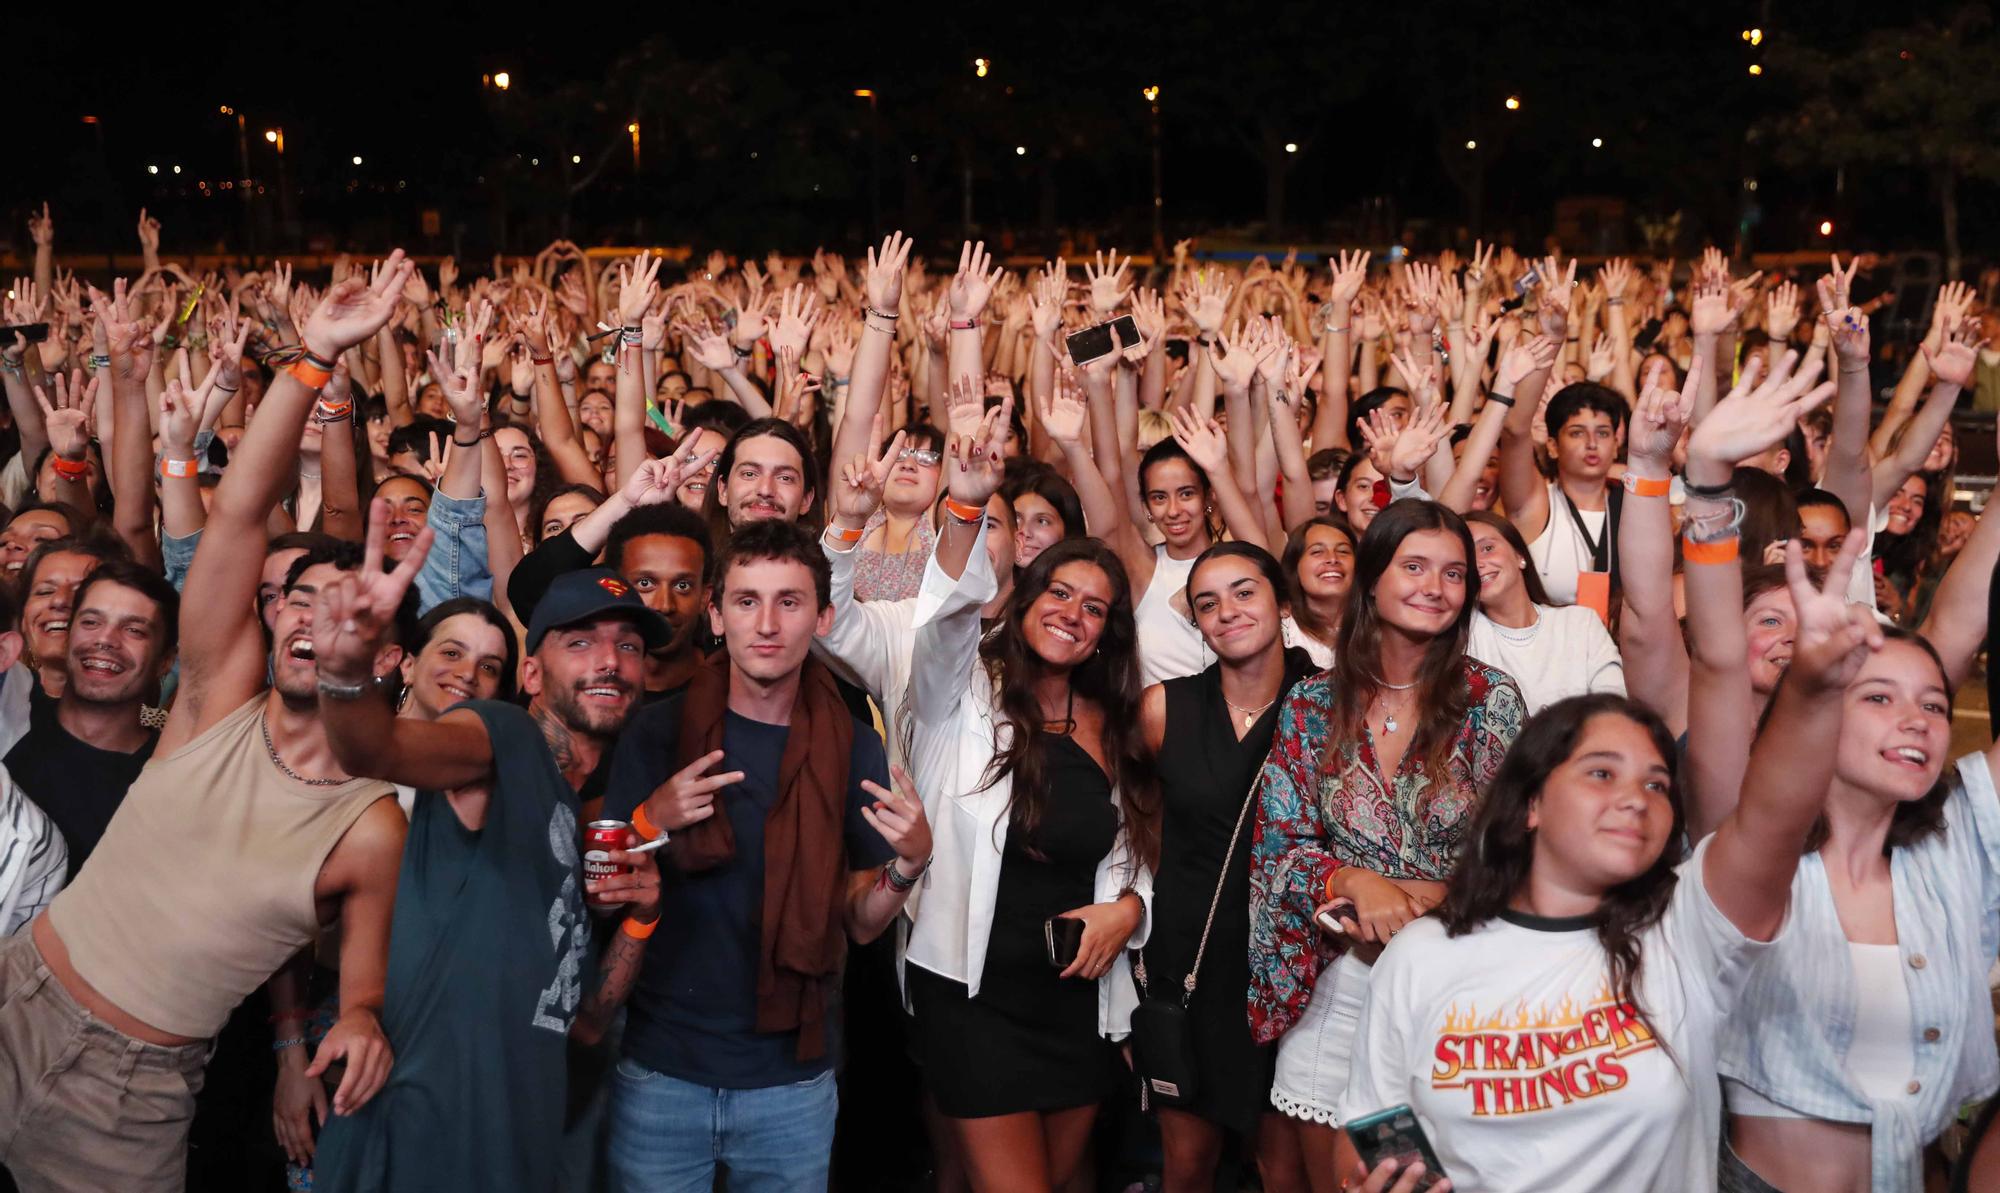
{"type": "Point", "coordinates": [1152, 95]}
{"type": "Point", "coordinates": [633, 128]}
{"type": "Point", "coordinates": [1513, 103]}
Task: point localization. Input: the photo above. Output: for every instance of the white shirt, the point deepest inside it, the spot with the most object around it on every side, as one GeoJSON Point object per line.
{"type": "Point", "coordinates": [1320, 653]}
{"type": "Point", "coordinates": [871, 641]}
{"type": "Point", "coordinates": [1527, 1074]}
{"type": "Point", "coordinates": [1567, 652]}
{"type": "Point", "coordinates": [1170, 645]}
{"type": "Point", "coordinates": [954, 733]}
{"type": "Point", "coordinates": [33, 857]}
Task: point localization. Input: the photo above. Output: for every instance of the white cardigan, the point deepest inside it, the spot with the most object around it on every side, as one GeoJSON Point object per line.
{"type": "Point", "coordinates": [954, 729]}
{"type": "Point", "coordinates": [871, 642]}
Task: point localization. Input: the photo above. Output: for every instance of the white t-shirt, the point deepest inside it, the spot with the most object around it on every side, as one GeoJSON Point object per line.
{"type": "Point", "coordinates": [1169, 644]}
{"type": "Point", "coordinates": [1567, 652]}
{"type": "Point", "coordinates": [1524, 1070]}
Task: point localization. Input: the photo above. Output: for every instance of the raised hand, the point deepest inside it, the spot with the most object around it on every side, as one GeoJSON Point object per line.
{"type": "Point", "coordinates": [1399, 453]}
{"type": "Point", "coordinates": [1107, 283]}
{"type": "Point", "coordinates": [67, 420]}
{"type": "Point", "coordinates": [1558, 288]}
{"type": "Point", "coordinates": [655, 480]}
{"type": "Point", "coordinates": [974, 463]}
{"type": "Point", "coordinates": [1840, 284]}
{"type": "Point", "coordinates": [1235, 359]}
{"type": "Point", "coordinates": [355, 614]}
{"type": "Point", "coordinates": [882, 278]}
{"type": "Point", "coordinates": [637, 287]}
{"type": "Point", "coordinates": [1205, 297]}
{"type": "Point", "coordinates": [1063, 412]}
{"type": "Point", "coordinates": [798, 314]}
{"type": "Point", "coordinates": [1662, 414]}
{"type": "Point", "coordinates": [1751, 417]}
{"type": "Point", "coordinates": [352, 310]}
{"type": "Point", "coordinates": [972, 286]}
{"type": "Point", "coordinates": [149, 234]}
{"type": "Point", "coordinates": [1423, 302]}
{"type": "Point", "coordinates": [1709, 313]}
{"type": "Point", "coordinates": [1833, 638]}
{"type": "Point", "coordinates": [1615, 276]}
{"type": "Point", "coordinates": [461, 391]}
{"type": "Point", "coordinates": [1849, 329]}
{"type": "Point", "coordinates": [1954, 359]}
{"type": "Point", "coordinates": [964, 407]}
{"type": "Point", "coordinates": [1201, 438]}
{"type": "Point", "coordinates": [1781, 312]}
{"type": "Point", "coordinates": [1045, 304]}
{"type": "Point", "coordinates": [42, 228]}
{"type": "Point", "coordinates": [1349, 271]}
{"type": "Point", "coordinates": [840, 349]}
{"type": "Point", "coordinates": [862, 479]}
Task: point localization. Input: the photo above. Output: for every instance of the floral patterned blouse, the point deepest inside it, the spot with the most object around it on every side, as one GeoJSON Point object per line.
{"type": "Point", "coordinates": [1311, 822]}
{"type": "Point", "coordinates": [879, 576]}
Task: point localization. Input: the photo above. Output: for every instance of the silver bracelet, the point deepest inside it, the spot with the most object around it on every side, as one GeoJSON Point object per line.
{"type": "Point", "coordinates": [1716, 525]}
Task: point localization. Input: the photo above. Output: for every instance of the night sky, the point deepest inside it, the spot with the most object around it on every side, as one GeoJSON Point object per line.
{"type": "Point", "coordinates": [1379, 102]}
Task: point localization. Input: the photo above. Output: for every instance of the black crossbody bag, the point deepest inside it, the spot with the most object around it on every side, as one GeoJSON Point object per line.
{"type": "Point", "coordinates": [1162, 1038]}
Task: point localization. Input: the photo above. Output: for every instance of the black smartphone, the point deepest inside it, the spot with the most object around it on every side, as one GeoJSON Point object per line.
{"type": "Point", "coordinates": [1064, 935]}
{"type": "Point", "coordinates": [1339, 919]}
{"type": "Point", "coordinates": [1092, 342]}
{"type": "Point", "coordinates": [34, 333]}
{"type": "Point", "coordinates": [1394, 1134]}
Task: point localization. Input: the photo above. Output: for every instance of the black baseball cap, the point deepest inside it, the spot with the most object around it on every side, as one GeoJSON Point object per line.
{"type": "Point", "coordinates": [588, 595]}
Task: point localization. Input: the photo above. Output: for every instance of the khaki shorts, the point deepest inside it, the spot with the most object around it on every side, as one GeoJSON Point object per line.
{"type": "Point", "coordinates": [84, 1106]}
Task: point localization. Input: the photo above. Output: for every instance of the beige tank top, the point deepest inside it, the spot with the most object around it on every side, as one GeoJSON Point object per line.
{"type": "Point", "coordinates": [203, 884]}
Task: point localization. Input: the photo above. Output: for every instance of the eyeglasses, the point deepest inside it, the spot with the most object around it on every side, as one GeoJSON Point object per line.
{"type": "Point", "coordinates": [922, 455]}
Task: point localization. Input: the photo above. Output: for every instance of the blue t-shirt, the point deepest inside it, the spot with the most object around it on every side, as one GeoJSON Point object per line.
{"type": "Point", "coordinates": [693, 1014]}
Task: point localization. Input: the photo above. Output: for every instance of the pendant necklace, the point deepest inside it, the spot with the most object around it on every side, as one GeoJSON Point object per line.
{"type": "Point", "coordinates": [1250, 715]}
{"type": "Point", "coordinates": [1389, 719]}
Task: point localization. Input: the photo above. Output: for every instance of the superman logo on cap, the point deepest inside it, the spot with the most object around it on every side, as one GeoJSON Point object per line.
{"type": "Point", "coordinates": [613, 585]}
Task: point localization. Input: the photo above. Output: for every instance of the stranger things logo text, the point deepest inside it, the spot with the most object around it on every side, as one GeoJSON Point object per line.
{"type": "Point", "coordinates": [1539, 1059]}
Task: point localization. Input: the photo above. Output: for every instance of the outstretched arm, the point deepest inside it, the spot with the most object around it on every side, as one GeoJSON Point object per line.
{"type": "Point", "coordinates": [1649, 633]}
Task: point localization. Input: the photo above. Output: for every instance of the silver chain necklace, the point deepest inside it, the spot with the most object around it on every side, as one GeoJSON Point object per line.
{"type": "Point", "coordinates": [264, 723]}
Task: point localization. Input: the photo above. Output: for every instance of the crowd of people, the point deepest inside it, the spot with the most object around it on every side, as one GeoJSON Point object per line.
{"type": "Point", "coordinates": [628, 726]}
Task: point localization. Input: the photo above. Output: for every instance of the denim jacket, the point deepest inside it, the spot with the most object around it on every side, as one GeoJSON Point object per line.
{"type": "Point", "coordinates": [457, 564]}
{"type": "Point", "coordinates": [1794, 1022]}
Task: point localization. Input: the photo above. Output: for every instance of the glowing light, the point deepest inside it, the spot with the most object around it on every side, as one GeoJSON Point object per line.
{"type": "Point", "coordinates": [152, 169]}
{"type": "Point", "coordinates": [1151, 93]}
{"type": "Point", "coordinates": [575, 159]}
{"type": "Point", "coordinates": [502, 80]}
{"type": "Point", "coordinates": [1513, 103]}
{"type": "Point", "coordinates": [1755, 69]}
{"type": "Point", "coordinates": [1291, 147]}
{"type": "Point", "coordinates": [227, 110]}
{"type": "Point", "coordinates": [863, 93]}
{"type": "Point", "coordinates": [177, 169]}
{"type": "Point", "coordinates": [980, 67]}
{"type": "Point", "coordinates": [1472, 144]}
{"type": "Point", "coordinates": [271, 135]}
{"type": "Point", "coordinates": [1597, 142]}
{"type": "Point", "coordinates": [1020, 151]}
{"type": "Point", "coordinates": [1826, 227]}
{"type": "Point", "coordinates": [633, 128]}
{"type": "Point", "coordinates": [1756, 37]}
{"type": "Point", "coordinates": [357, 159]}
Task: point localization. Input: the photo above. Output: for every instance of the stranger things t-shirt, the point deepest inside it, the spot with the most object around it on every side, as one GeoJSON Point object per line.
{"type": "Point", "coordinates": [1528, 1073]}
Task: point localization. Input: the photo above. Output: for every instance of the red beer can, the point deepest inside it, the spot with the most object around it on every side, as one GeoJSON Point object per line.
{"type": "Point", "coordinates": [600, 836]}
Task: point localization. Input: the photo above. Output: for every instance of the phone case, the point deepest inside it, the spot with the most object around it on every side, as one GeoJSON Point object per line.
{"type": "Point", "coordinates": [1064, 937]}
{"type": "Point", "coordinates": [1394, 1134]}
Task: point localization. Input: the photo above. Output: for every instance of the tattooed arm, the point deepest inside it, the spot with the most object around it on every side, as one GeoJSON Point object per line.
{"type": "Point", "coordinates": [618, 972]}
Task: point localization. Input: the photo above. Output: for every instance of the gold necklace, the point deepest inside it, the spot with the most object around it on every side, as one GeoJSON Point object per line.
{"type": "Point", "coordinates": [1250, 715]}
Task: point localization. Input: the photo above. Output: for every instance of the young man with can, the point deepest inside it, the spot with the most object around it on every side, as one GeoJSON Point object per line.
{"type": "Point", "coordinates": [490, 942]}
{"type": "Point", "coordinates": [787, 842]}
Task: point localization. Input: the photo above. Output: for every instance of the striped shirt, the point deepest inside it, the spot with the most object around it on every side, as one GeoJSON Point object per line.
{"type": "Point", "coordinates": [1794, 1022]}
{"type": "Point", "coordinates": [33, 858]}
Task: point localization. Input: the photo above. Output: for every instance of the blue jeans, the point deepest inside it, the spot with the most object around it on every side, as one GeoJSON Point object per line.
{"type": "Point", "coordinates": [669, 1135]}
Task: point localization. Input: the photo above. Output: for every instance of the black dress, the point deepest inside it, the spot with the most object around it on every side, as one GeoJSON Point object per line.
{"type": "Point", "coordinates": [1205, 775]}
{"type": "Point", "coordinates": [1029, 1041]}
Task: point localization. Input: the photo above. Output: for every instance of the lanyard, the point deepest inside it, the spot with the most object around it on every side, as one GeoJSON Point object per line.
{"type": "Point", "coordinates": [1600, 545]}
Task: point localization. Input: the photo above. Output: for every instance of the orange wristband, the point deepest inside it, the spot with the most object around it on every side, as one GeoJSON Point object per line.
{"type": "Point", "coordinates": [636, 930]}
{"type": "Point", "coordinates": [846, 536]}
{"type": "Point", "coordinates": [643, 825]}
{"type": "Point", "coordinates": [1328, 892]}
{"type": "Point", "coordinates": [309, 374]}
{"type": "Point", "coordinates": [176, 468]}
{"type": "Point", "coordinates": [1721, 551]}
{"type": "Point", "coordinates": [69, 470]}
{"type": "Point", "coordinates": [1646, 486]}
{"type": "Point", "coordinates": [971, 515]}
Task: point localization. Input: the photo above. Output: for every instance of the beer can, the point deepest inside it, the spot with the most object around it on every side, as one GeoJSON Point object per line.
{"type": "Point", "coordinates": [599, 837]}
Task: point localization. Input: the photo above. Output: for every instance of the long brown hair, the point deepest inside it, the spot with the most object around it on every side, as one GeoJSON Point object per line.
{"type": "Point", "coordinates": [1442, 696]}
{"type": "Point", "coordinates": [1499, 849]}
{"type": "Point", "coordinates": [1110, 677]}
{"type": "Point", "coordinates": [1531, 576]}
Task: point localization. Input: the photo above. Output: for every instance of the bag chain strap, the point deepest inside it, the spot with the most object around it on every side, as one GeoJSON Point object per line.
{"type": "Point", "coordinates": [1187, 983]}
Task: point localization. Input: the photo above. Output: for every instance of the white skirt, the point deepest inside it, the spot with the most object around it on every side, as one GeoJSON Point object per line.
{"type": "Point", "coordinates": [1313, 1056]}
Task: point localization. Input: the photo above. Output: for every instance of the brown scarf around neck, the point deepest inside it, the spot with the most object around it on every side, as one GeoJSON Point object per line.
{"type": "Point", "coordinates": [803, 930]}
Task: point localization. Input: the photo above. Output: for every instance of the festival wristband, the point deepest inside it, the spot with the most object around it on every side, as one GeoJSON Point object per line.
{"type": "Point", "coordinates": [971, 515]}
{"type": "Point", "coordinates": [181, 469]}
{"type": "Point", "coordinates": [965, 325]}
{"type": "Point", "coordinates": [69, 470]}
{"type": "Point", "coordinates": [1646, 486]}
{"type": "Point", "coordinates": [643, 824]}
{"type": "Point", "coordinates": [843, 535]}
{"type": "Point", "coordinates": [636, 930]}
{"type": "Point", "coordinates": [310, 375]}
{"type": "Point", "coordinates": [1720, 551]}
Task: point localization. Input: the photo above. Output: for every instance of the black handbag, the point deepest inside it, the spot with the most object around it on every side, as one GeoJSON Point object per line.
{"type": "Point", "coordinates": [1162, 1038]}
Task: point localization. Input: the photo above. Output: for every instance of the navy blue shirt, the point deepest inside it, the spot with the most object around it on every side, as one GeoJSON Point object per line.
{"type": "Point", "coordinates": [693, 1014]}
